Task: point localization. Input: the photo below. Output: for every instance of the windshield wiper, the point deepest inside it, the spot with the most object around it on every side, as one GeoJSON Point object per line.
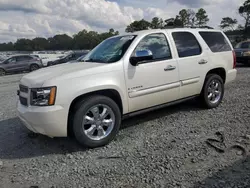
{"type": "Point", "coordinates": [94, 60]}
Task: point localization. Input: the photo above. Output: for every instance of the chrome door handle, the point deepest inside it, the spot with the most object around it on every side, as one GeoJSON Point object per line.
{"type": "Point", "coordinates": [202, 62]}
{"type": "Point", "coordinates": [169, 68]}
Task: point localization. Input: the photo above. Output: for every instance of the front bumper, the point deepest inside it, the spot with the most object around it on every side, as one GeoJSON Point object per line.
{"type": "Point", "coordinates": [50, 121]}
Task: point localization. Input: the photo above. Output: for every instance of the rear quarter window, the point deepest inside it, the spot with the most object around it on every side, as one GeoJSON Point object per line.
{"type": "Point", "coordinates": [216, 41]}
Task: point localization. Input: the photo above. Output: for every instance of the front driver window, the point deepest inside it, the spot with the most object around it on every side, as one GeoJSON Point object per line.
{"type": "Point", "coordinates": [12, 60]}
{"type": "Point", "coordinates": [157, 44]}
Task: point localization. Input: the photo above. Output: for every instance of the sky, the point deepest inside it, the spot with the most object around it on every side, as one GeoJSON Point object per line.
{"type": "Point", "coordinates": [46, 18]}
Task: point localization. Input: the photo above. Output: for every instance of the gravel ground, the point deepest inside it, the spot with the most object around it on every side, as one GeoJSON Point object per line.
{"type": "Point", "coordinates": [165, 148]}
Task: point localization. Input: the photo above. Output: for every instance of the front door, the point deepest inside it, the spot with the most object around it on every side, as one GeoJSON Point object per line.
{"type": "Point", "coordinates": [10, 64]}
{"type": "Point", "coordinates": [156, 81]}
{"type": "Point", "coordinates": [22, 62]}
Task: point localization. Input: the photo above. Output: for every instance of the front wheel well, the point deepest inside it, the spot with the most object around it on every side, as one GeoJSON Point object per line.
{"type": "Point", "coordinates": [111, 93]}
{"type": "Point", "coordinates": [219, 71]}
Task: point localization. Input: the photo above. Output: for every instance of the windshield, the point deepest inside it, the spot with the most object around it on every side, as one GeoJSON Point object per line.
{"type": "Point", "coordinates": [110, 50]}
{"type": "Point", "coordinates": [243, 45]}
{"type": "Point", "coordinates": [81, 58]}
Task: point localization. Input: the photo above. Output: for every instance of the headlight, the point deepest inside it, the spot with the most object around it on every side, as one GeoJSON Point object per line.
{"type": "Point", "coordinates": [43, 96]}
{"type": "Point", "coordinates": [246, 53]}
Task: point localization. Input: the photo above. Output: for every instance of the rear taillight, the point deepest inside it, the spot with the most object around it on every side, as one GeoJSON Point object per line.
{"type": "Point", "coordinates": [234, 61]}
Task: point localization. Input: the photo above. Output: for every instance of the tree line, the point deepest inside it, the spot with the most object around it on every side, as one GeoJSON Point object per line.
{"type": "Point", "coordinates": [185, 18]}
{"type": "Point", "coordinates": [82, 40]}
{"type": "Point", "coordinates": [89, 39]}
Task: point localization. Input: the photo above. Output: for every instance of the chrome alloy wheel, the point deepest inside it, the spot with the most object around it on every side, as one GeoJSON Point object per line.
{"type": "Point", "coordinates": [98, 122]}
{"type": "Point", "coordinates": [214, 91]}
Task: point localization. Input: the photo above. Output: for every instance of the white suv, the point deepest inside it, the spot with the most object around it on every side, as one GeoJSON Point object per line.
{"type": "Point", "coordinates": [124, 76]}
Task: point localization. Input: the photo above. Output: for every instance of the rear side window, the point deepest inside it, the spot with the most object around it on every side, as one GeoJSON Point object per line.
{"type": "Point", "coordinates": [186, 44]}
{"type": "Point", "coordinates": [216, 41]}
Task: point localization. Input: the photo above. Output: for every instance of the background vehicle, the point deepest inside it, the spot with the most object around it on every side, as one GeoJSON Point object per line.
{"type": "Point", "coordinates": [81, 58]}
{"type": "Point", "coordinates": [124, 76]}
{"type": "Point", "coordinates": [64, 59]}
{"type": "Point", "coordinates": [20, 63]}
{"type": "Point", "coordinates": [45, 58]}
{"type": "Point", "coordinates": [242, 51]}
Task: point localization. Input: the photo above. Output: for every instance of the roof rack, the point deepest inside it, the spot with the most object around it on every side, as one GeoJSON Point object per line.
{"type": "Point", "coordinates": [192, 27]}
{"type": "Point", "coordinates": [202, 27]}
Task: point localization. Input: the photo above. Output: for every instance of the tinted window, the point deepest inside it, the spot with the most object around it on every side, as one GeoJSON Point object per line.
{"type": "Point", "coordinates": [186, 44]}
{"type": "Point", "coordinates": [12, 60]}
{"type": "Point", "coordinates": [24, 58]}
{"type": "Point", "coordinates": [157, 44]}
{"type": "Point", "coordinates": [216, 41]}
{"type": "Point", "coordinates": [245, 45]}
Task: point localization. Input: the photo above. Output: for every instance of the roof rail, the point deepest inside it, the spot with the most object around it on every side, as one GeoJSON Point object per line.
{"type": "Point", "coordinates": [192, 27]}
{"type": "Point", "coordinates": [202, 27]}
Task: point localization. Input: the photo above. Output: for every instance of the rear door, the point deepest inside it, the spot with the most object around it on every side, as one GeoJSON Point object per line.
{"type": "Point", "coordinates": [220, 49]}
{"type": "Point", "coordinates": [193, 61]}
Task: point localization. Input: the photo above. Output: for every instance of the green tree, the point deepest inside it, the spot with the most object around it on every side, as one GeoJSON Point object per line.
{"type": "Point", "coordinates": [23, 45]}
{"type": "Point", "coordinates": [201, 18]}
{"type": "Point", "coordinates": [7, 46]}
{"type": "Point", "coordinates": [138, 26]}
{"type": "Point", "coordinates": [40, 43]}
{"type": "Point", "coordinates": [157, 23]}
{"type": "Point", "coordinates": [187, 17]}
{"type": "Point", "coordinates": [244, 11]}
{"type": "Point", "coordinates": [228, 23]}
{"type": "Point", "coordinates": [184, 17]}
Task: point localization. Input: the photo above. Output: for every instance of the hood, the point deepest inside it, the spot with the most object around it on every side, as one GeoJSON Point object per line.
{"type": "Point", "coordinates": [37, 78]}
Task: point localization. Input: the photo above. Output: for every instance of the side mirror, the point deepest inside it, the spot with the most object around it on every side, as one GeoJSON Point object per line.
{"type": "Point", "coordinates": [140, 56]}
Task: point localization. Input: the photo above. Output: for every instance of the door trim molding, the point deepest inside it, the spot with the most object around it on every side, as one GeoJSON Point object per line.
{"type": "Point", "coordinates": [190, 81]}
{"type": "Point", "coordinates": [138, 93]}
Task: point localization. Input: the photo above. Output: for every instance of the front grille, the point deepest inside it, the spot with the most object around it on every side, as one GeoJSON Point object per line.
{"type": "Point", "coordinates": [23, 89]}
{"type": "Point", "coordinates": [23, 101]}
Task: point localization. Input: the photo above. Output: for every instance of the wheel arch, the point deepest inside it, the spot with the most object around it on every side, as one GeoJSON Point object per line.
{"type": "Point", "coordinates": [219, 71]}
{"type": "Point", "coordinates": [111, 93]}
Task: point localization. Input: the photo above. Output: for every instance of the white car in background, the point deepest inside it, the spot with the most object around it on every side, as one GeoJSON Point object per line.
{"type": "Point", "coordinates": [47, 57]}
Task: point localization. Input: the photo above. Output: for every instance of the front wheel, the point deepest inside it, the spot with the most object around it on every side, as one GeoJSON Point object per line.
{"type": "Point", "coordinates": [2, 72]}
{"type": "Point", "coordinates": [213, 91]}
{"type": "Point", "coordinates": [97, 121]}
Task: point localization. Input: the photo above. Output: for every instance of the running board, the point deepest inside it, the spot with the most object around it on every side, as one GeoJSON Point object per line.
{"type": "Point", "coordinates": [129, 115]}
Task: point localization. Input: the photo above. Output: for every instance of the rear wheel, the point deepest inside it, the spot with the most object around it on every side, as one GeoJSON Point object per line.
{"type": "Point", "coordinates": [213, 91]}
{"type": "Point", "coordinates": [34, 67]}
{"type": "Point", "coordinates": [97, 121]}
{"type": "Point", "coordinates": [2, 72]}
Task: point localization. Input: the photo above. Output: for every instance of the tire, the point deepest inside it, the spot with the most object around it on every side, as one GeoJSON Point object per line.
{"type": "Point", "coordinates": [2, 72]}
{"type": "Point", "coordinates": [98, 134]}
{"type": "Point", "coordinates": [34, 67]}
{"type": "Point", "coordinates": [211, 96]}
